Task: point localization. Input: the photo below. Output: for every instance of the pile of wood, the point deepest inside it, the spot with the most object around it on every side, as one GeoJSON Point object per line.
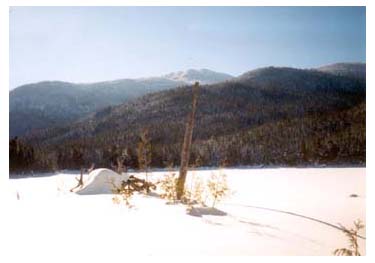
{"type": "Point", "coordinates": [134, 184]}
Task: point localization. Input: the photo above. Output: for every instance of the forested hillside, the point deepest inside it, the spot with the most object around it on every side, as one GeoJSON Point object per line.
{"type": "Point", "coordinates": [54, 103]}
{"type": "Point", "coordinates": [270, 116]}
{"type": "Point", "coordinates": [51, 103]}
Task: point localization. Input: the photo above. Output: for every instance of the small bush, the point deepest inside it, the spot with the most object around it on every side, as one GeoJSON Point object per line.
{"type": "Point", "coordinates": [197, 193]}
{"type": "Point", "coordinates": [168, 187]}
{"type": "Point", "coordinates": [123, 193]}
{"type": "Point", "coordinates": [352, 235]}
{"type": "Point", "coordinates": [217, 187]}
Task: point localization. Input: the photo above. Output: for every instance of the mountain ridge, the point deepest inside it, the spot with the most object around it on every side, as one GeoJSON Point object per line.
{"type": "Point", "coordinates": [53, 102]}
{"type": "Point", "coordinates": [353, 69]}
{"type": "Point", "coordinates": [66, 102]}
{"type": "Point", "coordinates": [293, 119]}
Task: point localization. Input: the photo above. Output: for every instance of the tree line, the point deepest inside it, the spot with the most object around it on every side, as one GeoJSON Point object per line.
{"type": "Point", "coordinates": [336, 138]}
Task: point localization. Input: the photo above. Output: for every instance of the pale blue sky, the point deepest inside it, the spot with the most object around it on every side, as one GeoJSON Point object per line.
{"type": "Point", "coordinates": [87, 44]}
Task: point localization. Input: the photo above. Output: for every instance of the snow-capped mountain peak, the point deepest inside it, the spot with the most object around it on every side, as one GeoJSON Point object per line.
{"type": "Point", "coordinates": [204, 76]}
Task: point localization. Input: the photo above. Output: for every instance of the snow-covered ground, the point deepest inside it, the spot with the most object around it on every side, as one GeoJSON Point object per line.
{"type": "Point", "coordinates": [270, 212]}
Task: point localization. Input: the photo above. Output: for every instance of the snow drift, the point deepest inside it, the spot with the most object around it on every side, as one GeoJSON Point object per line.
{"type": "Point", "coordinates": [101, 181]}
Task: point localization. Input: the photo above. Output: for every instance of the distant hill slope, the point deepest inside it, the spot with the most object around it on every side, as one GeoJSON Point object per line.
{"type": "Point", "coordinates": [266, 116]}
{"type": "Point", "coordinates": [357, 70]}
{"type": "Point", "coordinates": [50, 103]}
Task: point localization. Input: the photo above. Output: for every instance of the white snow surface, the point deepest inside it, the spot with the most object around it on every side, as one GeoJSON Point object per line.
{"type": "Point", "coordinates": [270, 212]}
{"type": "Point", "coordinates": [203, 76]}
{"type": "Point", "coordinates": [101, 181]}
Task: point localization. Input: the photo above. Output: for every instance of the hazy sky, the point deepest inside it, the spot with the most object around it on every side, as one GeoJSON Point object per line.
{"type": "Point", "coordinates": [86, 44]}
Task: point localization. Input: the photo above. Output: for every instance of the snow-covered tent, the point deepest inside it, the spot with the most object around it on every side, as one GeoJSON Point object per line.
{"type": "Point", "coordinates": [101, 181]}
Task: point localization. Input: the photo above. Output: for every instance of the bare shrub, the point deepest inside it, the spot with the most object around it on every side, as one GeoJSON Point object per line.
{"type": "Point", "coordinates": [123, 193]}
{"type": "Point", "coordinates": [168, 187]}
{"type": "Point", "coordinates": [79, 182]}
{"type": "Point", "coordinates": [80, 179]}
{"type": "Point", "coordinates": [217, 187]}
{"type": "Point", "coordinates": [352, 235]}
{"type": "Point", "coordinates": [197, 193]}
